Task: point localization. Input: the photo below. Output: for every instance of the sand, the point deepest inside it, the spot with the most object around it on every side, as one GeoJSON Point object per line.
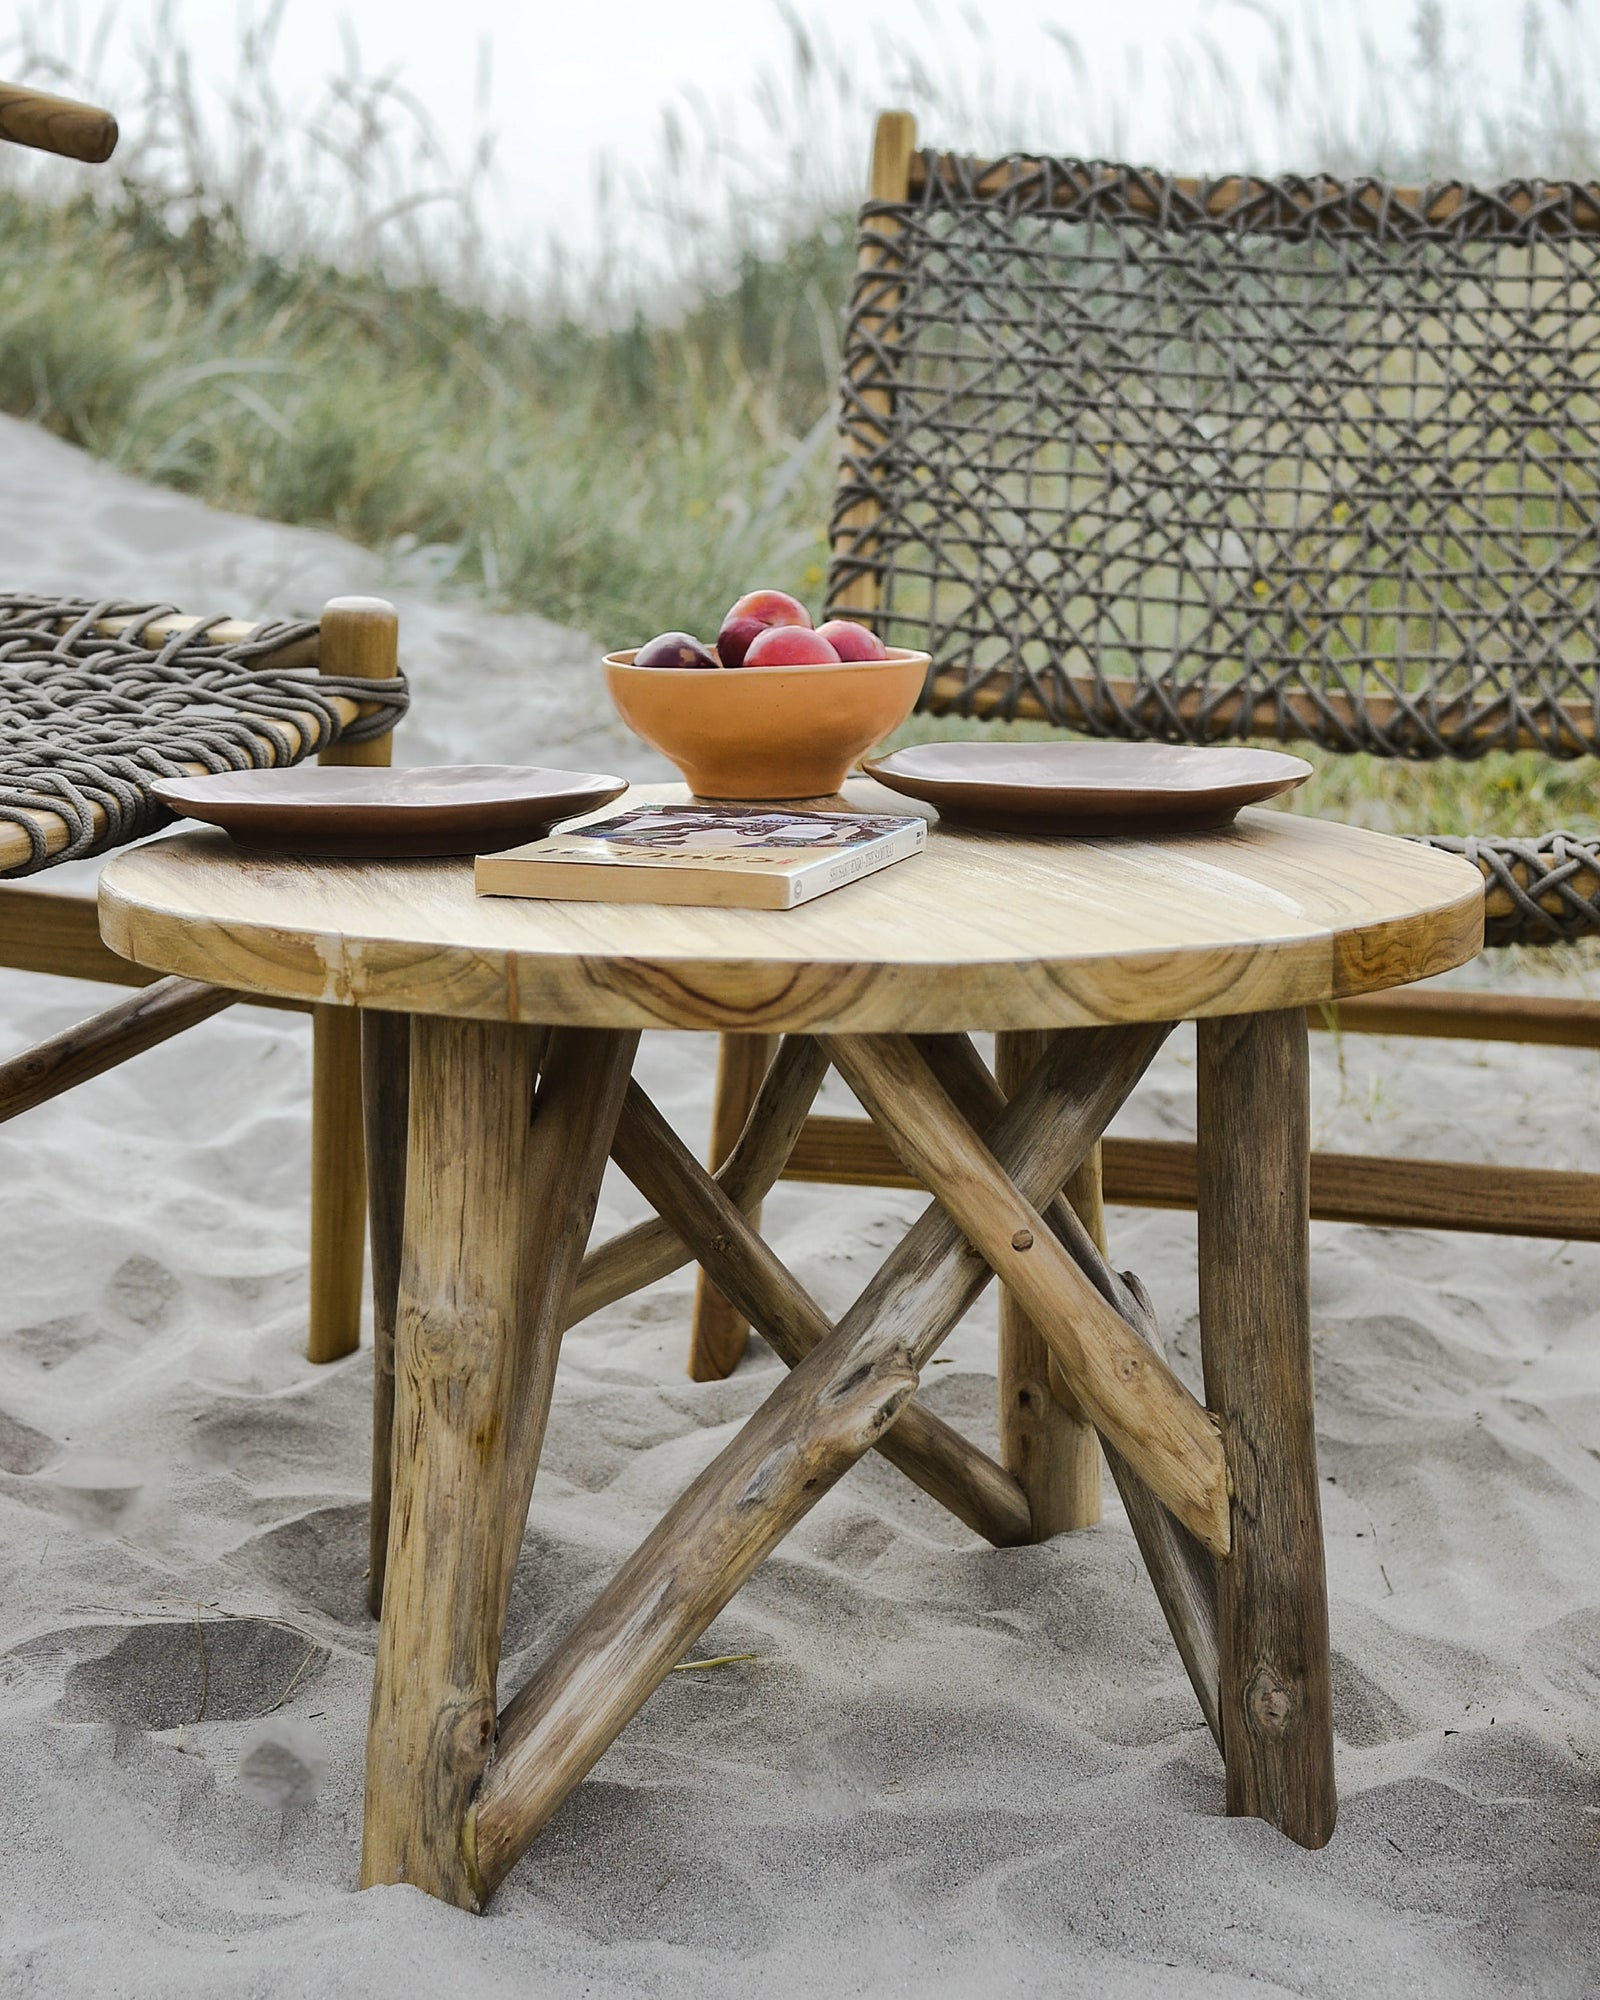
{"type": "Point", "coordinates": [949, 1770]}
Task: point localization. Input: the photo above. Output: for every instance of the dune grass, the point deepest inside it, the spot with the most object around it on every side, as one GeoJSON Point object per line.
{"type": "Point", "coordinates": [619, 480]}
{"type": "Point", "coordinates": [272, 328]}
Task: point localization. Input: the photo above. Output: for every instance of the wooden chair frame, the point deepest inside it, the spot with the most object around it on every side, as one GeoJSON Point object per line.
{"type": "Point", "coordinates": [1378, 1191]}
{"type": "Point", "coordinates": [58, 932]}
{"type": "Point", "coordinates": [50, 931]}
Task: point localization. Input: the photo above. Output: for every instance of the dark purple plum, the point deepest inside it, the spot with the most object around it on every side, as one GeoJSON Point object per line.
{"type": "Point", "coordinates": [675, 649]}
{"type": "Point", "coordinates": [735, 638]}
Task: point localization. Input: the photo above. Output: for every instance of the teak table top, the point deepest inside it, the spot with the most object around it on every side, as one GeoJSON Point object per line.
{"type": "Point", "coordinates": [981, 931]}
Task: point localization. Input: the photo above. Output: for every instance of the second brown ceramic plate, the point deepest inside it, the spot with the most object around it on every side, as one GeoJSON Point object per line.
{"type": "Point", "coordinates": [1088, 788]}
{"type": "Point", "coordinates": [354, 813]}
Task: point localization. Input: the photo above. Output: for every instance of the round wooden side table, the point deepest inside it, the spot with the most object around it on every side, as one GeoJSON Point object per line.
{"type": "Point", "coordinates": [509, 1028]}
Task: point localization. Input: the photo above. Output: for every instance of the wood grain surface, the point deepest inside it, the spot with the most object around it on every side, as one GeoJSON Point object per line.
{"type": "Point", "coordinates": [386, 1111]}
{"type": "Point", "coordinates": [894, 141]}
{"type": "Point", "coordinates": [1045, 1441]}
{"type": "Point", "coordinates": [1253, 1084]}
{"type": "Point", "coordinates": [54, 124]}
{"type": "Point", "coordinates": [456, 1336]}
{"type": "Point", "coordinates": [1383, 1191]}
{"type": "Point", "coordinates": [141, 1021]}
{"type": "Point", "coordinates": [359, 639]}
{"type": "Point", "coordinates": [821, 1418]}
{"type": "Point", "coordinates": [980, 931]}
{"type": "Point", "coordinates": [942, 1462]}
{"type": "Point", "coordinates": [718, 1330]}
{"type": "Point", "coordinates": [1183, 1574]}
{"type": "Point", "coordinates": [1127, 1391]}
{"type": "Point", "coordinates": [653, 1249]}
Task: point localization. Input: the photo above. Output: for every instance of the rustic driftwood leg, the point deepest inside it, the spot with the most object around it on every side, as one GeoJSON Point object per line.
{"type": "Point", "coordinates": [939, 1459]}
{"type": "Point", "coordinates": [1085, 1194]}
{"type": "Point", "coordinates": [1254, 1144]}
{"type": "Point", "coordinates": [1183, 1574]}
{"type": "Point", "coordinates": [142, 1021]}
{"type": "Point", "coordinates": [1130, 1394]}
{"type": "Point", "coordinates": [386, 1098]}
{"type": "Point", "coordinates": [433, 1695]}
{"type": "Point", "coordinates": [1053, 1452]}
{"type": "Point", "coordinates": [338, 1184]}
{"type": "Point", "coordinates": [816, 1424]}
{"type": "Point", "coordinates": [654, 1249]}
{"type": "Point", "coordinates": [717, 1336]}
{"type": "Point", "coordinates": [807, 1434]}
{"type": "Point", "coordinates": [581, 1081]}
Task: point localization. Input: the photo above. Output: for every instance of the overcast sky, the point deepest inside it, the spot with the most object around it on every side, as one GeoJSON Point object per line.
{"type": "Point", "coordinates": [576, 79]}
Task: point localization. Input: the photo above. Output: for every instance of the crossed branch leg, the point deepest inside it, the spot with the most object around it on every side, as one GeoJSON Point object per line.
{"type": "Point", "coordinates": [718, 1329]}
{"type": "Point", "coordinates": [754, 1282]}
{"type": "Point", "coordinates": [837, 1403]}
{"type": "Point", "coordinates": [485, 1283]}
{"type": "Point", "coordinates": [1054, 1453]}
{"type": "Point", "coordinates": [1183, 1574]}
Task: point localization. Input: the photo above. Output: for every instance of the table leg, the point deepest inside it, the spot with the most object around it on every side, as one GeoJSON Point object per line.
{"type": "Point", "coordinates": [1254, 1150]}
{"type": "Point", "coordinates": [1044, 1439]}
{"type": "Point", "coordinates": [718, 1332]}
{"type": "Point", "coordinates": [476, 1271]}
{"type": "Point", "coordinates": [840, 1400]}
{"type": "Point", "coordinates": [338, 1188]}
{"type": "Point", "coordinates": [385, 1097]}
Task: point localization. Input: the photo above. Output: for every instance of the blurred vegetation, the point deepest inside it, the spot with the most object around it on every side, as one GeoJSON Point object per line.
{"type": "Point", "coordinates": [621, 479]}
{"type": "Point", "coordinates": [300, 319]}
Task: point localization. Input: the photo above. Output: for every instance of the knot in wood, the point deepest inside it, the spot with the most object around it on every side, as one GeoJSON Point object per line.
{"type": "Point", "coordinates": [1269, 1703]}
{"type": "Point", "coordinates": [467, 1736]}
{"type": "Point", "coordinates": [1023, 1240]}
{"type": "Point", "coordinates": [438, 1339]}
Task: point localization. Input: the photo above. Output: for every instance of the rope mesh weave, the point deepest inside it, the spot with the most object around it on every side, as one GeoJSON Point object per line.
{"type": "Point", "coordinates": [1196, 460]}
{"type": "Point", "coordinates": [1543, 891]}
{"type": "Point", "coordinates": [88, 720]}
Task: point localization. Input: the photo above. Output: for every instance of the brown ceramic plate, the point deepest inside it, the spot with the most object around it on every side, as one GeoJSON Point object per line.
{"type": "Point", "coordinates": [355, 813]}
{"type": "Point", "coordinates": [1088, 788]}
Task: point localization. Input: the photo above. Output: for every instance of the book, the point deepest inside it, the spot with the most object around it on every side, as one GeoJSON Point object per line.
{"type": "Point", "coordinates": [733, 857]}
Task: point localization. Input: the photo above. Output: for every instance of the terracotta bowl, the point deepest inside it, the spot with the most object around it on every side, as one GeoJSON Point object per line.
{"type": "Point", "coordinates": [766, 732]}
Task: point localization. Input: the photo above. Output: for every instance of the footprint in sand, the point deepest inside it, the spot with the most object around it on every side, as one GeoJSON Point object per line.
{"type": "Point", "coordinates": [143, 1291]}
{"type": "Point", "coordinates": [177, 1671]}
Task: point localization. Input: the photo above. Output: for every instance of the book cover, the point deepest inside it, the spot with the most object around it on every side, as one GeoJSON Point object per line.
{"type": "Point", "coordinates": [739, 857]}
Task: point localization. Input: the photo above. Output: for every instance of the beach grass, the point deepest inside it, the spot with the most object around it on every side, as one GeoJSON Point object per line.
{"type": "Point", "coordinates": [620, 480]}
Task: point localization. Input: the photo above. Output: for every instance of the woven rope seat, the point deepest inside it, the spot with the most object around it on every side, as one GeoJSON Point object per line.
{"type": "Point", "coordinates": [1201, 460]}
{"type": "Point", "coordinates": [97, 700]}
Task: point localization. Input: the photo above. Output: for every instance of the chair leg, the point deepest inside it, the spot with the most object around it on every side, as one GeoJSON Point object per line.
{"type": "Point", "coordinates": [717, 1339]}
{"type": "Point", "coordinates": [360, 638]}
{"type": "Point", "coordinates": [338, 1184]}
{"type": "Point", "coordinates": [1044, 1440]}
{"type": "Point", "coordinates": [386, 1101]}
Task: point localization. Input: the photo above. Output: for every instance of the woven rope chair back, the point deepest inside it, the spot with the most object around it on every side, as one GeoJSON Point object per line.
{"type": "Point", "coordinates": [1187, 460]}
